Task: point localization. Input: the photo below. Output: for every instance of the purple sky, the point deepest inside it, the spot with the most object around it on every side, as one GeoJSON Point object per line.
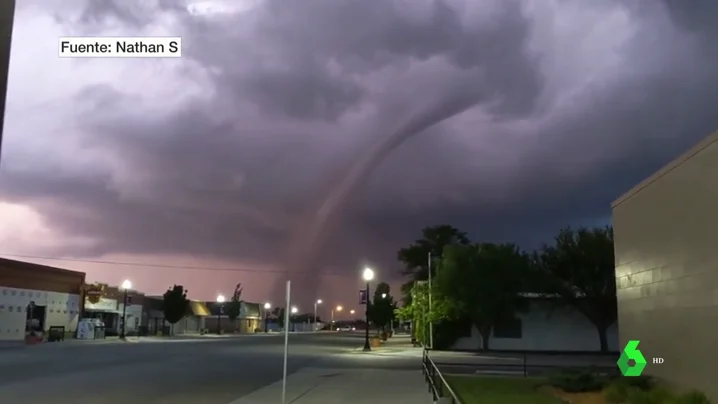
{"type": "Point", "coordinates": [223, 158]}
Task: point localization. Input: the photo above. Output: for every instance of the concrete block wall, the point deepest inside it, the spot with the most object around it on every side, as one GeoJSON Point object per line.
{"type": "Point", "coordinates": [666, 242]}
{"type": "Point", "coordinates": [62, 309]}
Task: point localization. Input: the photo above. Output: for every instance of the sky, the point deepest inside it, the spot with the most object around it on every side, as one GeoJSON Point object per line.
{"type": "Point", "coordinates": [307, 139]}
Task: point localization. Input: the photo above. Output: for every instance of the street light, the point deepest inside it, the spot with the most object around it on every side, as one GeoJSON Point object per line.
{"type": "Point", "coordinates": [368, 275]}
{"type": "Point", "coordinates": [220, 302]}
{"type": "Point", "coordinates": [267, 306]}
{"type": "Point", "coordinates": [315, 312]}
{"type": "Point", "coordinates": [331, 324]}
{"type": "Point", "coordinates": [351, 312]}
{"type": "Point", "coordinates": [383, 295]}
{"type": "Point", "coordinates": [295, 310]}
{"type": "Point", "coordinates": [126, 286]}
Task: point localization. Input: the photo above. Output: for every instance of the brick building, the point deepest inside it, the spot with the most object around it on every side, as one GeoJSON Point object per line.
{"type": "Point", "coordinates": [665, 230]}
{"type": "Point", "coordinates": [32, 293]}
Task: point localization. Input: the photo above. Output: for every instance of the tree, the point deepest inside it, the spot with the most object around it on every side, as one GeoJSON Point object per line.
{"type": "Point", "coordinates": [234, 307]}
{"type": "Point", "coordinates": [418, 311]}
{"type": "Point", "coordinates": [382, 307]}
{"type": "Point", "coordinates": [175, 304]}
{"type": "Point", "coordinates": [580, 269]}
{"type": "Point", "coordinates": [279, 313]}
{"type": "Point", "coordinates": [482, 283]}
{"type": "Point", "coordinates": [416, 256]}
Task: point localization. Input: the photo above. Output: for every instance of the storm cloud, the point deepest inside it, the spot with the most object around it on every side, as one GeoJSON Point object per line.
{"type": "Point", "coordinates": [552, 109]}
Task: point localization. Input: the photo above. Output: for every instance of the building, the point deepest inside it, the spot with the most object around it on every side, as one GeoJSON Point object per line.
{"type": "Point", "coordinates": [250, 318]}
{"type": "Point", "coordinates": [106, 303]}
{"type": "Point", "coordinates": [40, 295]}
{"type": "Point", "coordinates": [192, 323]}
{"type": "Point", "coordinates": [666, 232]}
{"type": "Point", "coordinates": [542, 328]}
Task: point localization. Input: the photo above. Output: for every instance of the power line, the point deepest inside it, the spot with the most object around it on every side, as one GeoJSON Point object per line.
{"type": "Point", "coordinates": [167, 266]}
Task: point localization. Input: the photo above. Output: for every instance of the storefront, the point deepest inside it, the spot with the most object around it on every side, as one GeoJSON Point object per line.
{"type": "Point", "coordinates": [105, 302]}
{"type": "Point", "coordinates": [37, 297]}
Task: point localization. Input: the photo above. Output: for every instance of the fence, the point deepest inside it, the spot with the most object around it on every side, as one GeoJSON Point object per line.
{"type": "Point", "coordinates": [525, 364]}
{"type": "Point", "coordinates": [438, 386]}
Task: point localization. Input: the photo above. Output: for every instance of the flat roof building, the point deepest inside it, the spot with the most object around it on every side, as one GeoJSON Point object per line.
{"type": "Point", "coordinates": [666, 248]}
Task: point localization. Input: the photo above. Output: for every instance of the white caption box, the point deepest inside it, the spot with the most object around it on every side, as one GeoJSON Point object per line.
{"type": "Point", "coordinates": [120, 47]}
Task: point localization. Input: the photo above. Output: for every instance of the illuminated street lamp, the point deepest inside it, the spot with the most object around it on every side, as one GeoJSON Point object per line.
{"type": "Point", "coordinates": [267, 306]}
{"type": "Point", "coordinates": [352, 312]}
{"type": "Point", "coordinates": [126, 286]}
{"type": "Point", "coordinates": [368, 276]}
{"type": "Point", "coordinates": [220, 302]}
{"type": "Point", "coordinates": [331, 324]}
{"type": "Point", "coordinates": [295, 310]}
{"type": "Point", "coordinates": [315, 311]}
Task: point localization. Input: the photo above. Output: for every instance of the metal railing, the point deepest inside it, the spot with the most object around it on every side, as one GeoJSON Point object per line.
{"type": "Point", "coordinates": [438, 387]}
{"type": "Point", "coordinates": [522, 366]}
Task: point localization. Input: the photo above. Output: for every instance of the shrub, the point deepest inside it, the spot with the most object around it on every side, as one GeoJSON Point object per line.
{"type": "Point", "coordinates": [578, 380]}
{"type": "Point", "coordinates": [643, 383]}
{"type": "Point", "coordinates": [693, 397]}
{"type": "Point", "coordinates": [616, 393]}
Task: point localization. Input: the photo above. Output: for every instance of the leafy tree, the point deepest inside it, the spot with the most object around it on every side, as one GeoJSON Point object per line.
{"type": "Point", "coordinates": [175, 304]}
{"type": "Point", "coordinates": [416, 256]}
{"type": "Point", "coordinates": [580, 268]}
{"type": "Point", "coordinates": [234, 307]}
{"type": "Point", "coordinates": [418, 311]}
{"type": "Point", "coordinates": [381, 310]}
{"type": "Point", "coordinates": [279, 313]}
{"type": "Point", "coordinates": [482, 283]}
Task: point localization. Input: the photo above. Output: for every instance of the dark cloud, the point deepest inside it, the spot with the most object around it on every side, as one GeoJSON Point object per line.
{"type": "Point", "coordinates": [229, 152]}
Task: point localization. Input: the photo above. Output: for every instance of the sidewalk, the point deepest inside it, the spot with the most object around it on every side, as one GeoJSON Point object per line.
{"type": "Point", "coordinates": [20, 345]}
{"type": "Point", "coordinates": [399, 345]}
{"type": "Point", "coordinates": [355, 386]}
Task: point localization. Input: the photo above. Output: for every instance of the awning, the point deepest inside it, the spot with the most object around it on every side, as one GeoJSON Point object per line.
{"type": "Point", "coordinates": [199, 308]}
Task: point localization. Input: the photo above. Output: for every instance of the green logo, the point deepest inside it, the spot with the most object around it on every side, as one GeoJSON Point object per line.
{"type": "Point", "coordinates": [631, 352]}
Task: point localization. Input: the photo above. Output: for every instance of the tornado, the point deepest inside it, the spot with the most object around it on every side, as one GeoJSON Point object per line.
{"type": "Point", "coordinates": [312, 230]}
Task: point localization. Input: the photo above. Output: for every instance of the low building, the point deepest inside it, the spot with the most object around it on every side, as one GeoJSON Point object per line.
{"type": "Point", "coordinates": [665, 236]}
{"type": "Point", "coordinates": [40, 295]}
{"type": "Point", "coordinates": [544, 327]}
{"type": "Point", "coordinates": [191, 323]}
{"type": "Point", "coordinates": [249, 320]}
{"type": "Point", "coordinates": [105, 302]}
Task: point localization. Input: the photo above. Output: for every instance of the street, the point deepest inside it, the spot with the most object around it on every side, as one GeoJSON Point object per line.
{"type": "Point", "coordinates": [207, 371]}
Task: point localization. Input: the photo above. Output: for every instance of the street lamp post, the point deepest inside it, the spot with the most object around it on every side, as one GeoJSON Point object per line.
{"type": "Point", "coordinates": [368, 275]}
{"type": "Point", "coordinates": [220, 302]}
{"type": "Point", "coordinates": [294, 312]}
{"type": "Point", "coordinates": [126, 286]}
{"type": "Point", "coordinates": [331, 326]}
{"type": "Point", "coordinates": [315, 312]}
{"type": "Point", "coordinates": [267, 306]}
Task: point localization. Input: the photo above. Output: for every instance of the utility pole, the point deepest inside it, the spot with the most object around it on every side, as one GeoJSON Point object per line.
{"type": "Point", "coordinates": [431, 322]}
{"type": "Point", "coordinates": [7, 17]}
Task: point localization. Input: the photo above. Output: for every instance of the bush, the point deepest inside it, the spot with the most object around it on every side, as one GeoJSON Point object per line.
{"type": "Point", "coordinates": [655, 396]}
{"type": "Point", "coordinates": [578, 380]}
{"type": "Point", "coordinates": [693, 397]}
{"type": "Point", "coordinates": [616, 393]}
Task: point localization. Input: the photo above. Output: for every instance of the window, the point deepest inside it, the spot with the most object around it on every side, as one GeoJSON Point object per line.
{"type": "Point", "coordinates": [510, 328]}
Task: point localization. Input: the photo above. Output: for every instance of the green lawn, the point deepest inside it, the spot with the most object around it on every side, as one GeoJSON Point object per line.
{"type": "Point", "coordinates": [493, 390]}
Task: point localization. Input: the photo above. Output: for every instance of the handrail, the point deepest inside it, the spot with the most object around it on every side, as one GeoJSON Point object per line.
{"type": "Point", "coordinates": [431, 371]}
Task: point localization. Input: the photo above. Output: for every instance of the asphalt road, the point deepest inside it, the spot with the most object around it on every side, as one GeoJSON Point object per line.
{"type": "Point", "coordinates": [211, 371]}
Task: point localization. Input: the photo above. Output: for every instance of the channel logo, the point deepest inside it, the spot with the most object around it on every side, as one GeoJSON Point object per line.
{"type": "Point", "coordinates": [632, 353]}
